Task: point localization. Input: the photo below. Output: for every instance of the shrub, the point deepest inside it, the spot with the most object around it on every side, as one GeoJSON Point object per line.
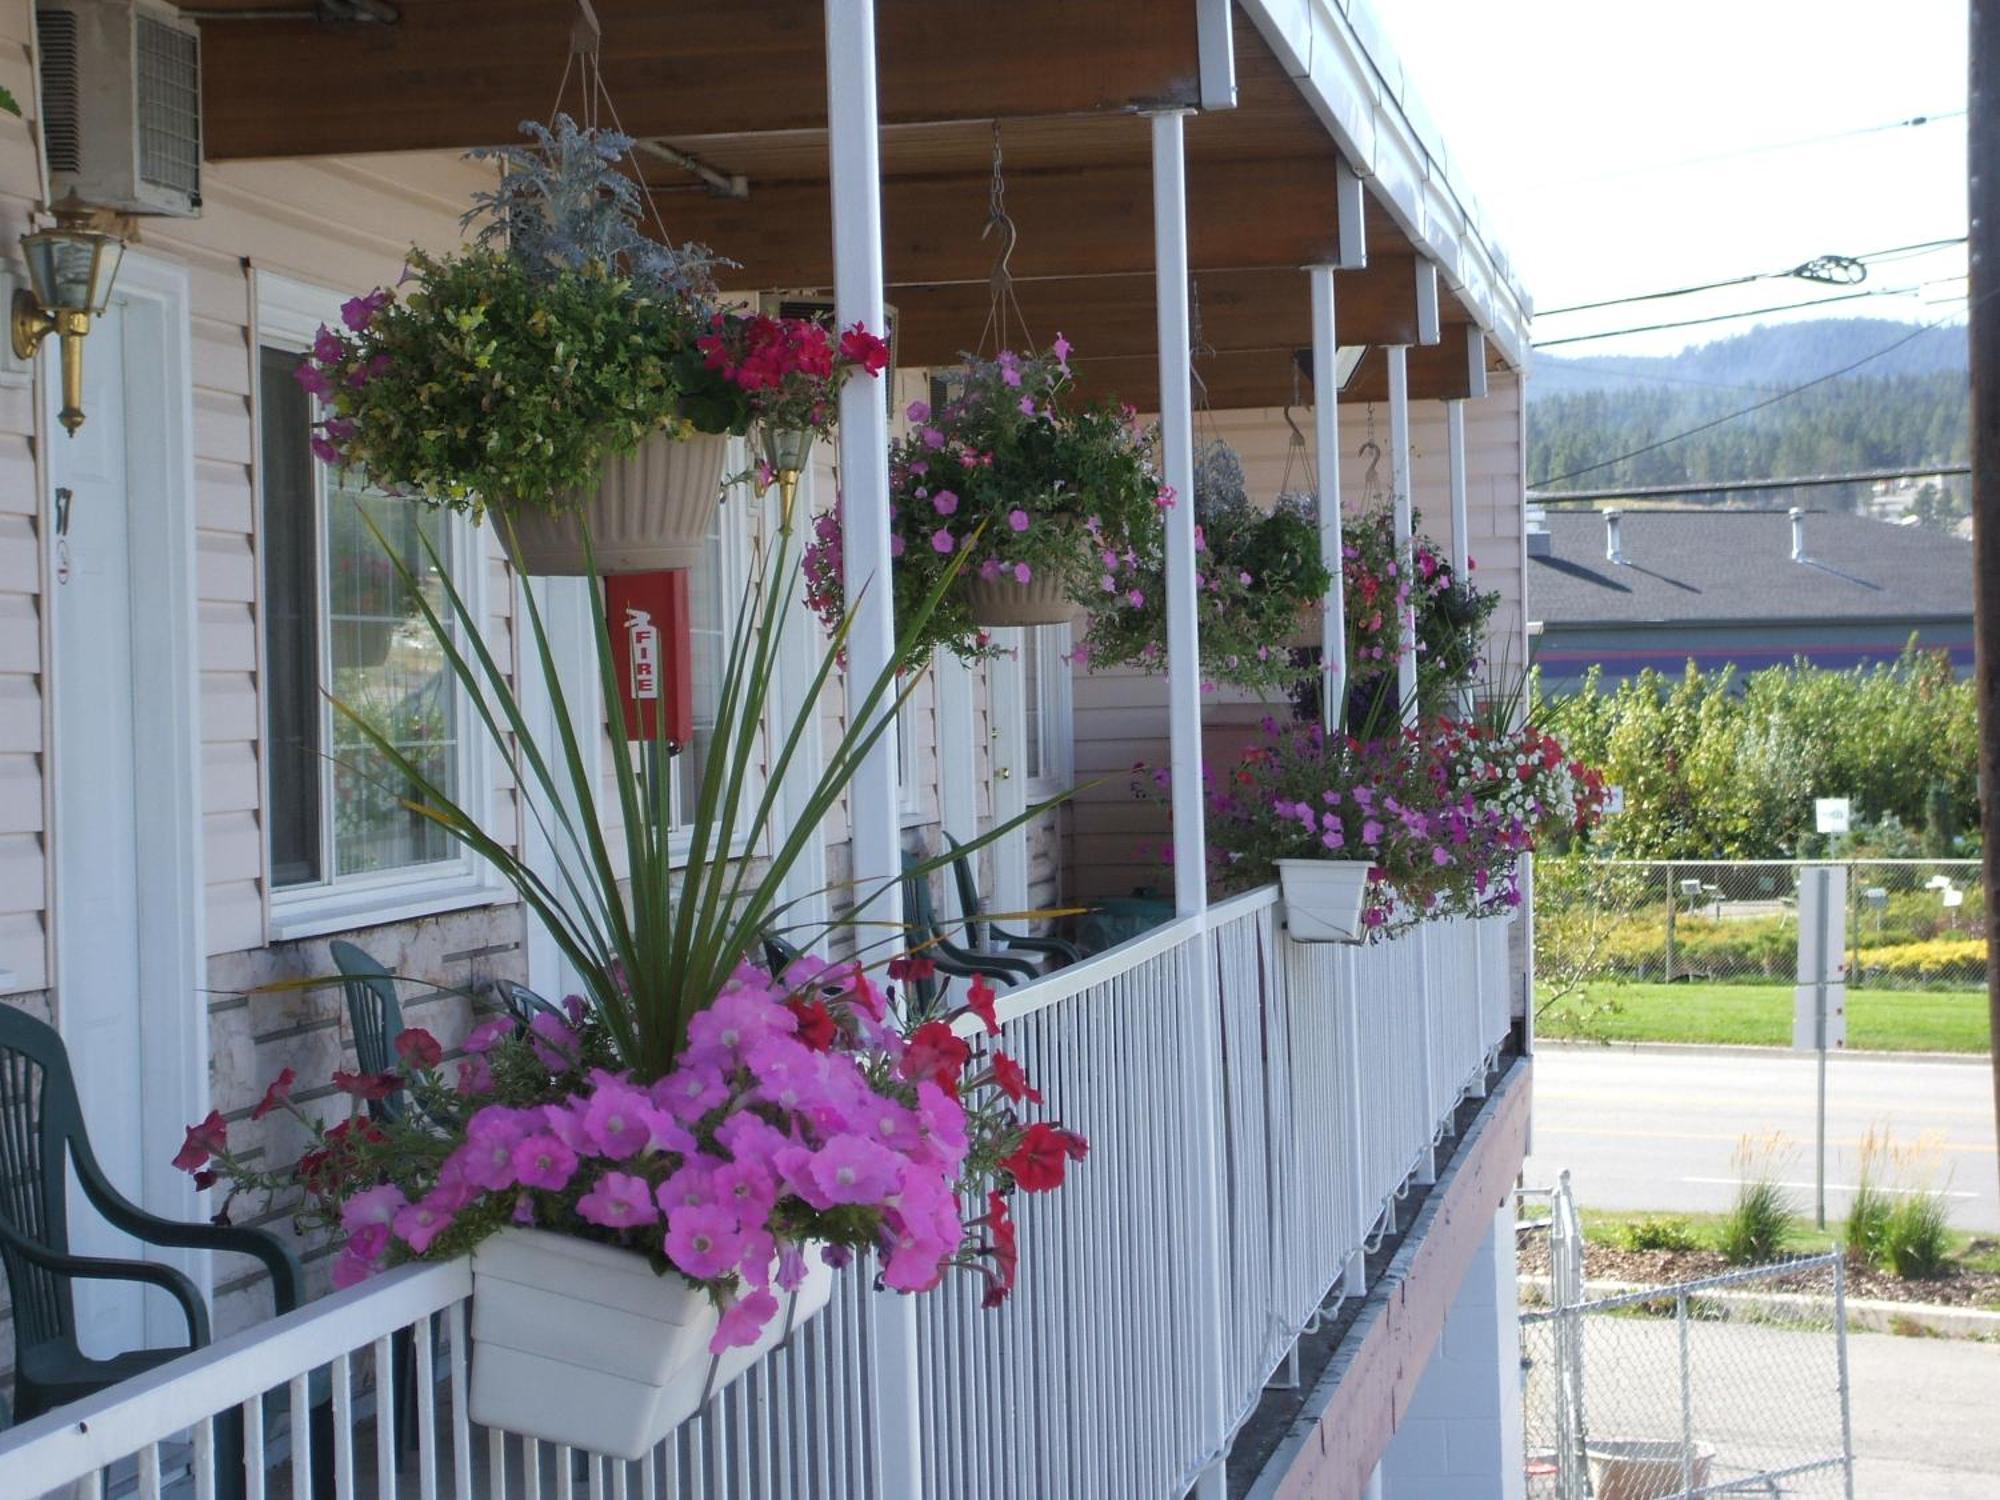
{"type": "Point", "coordinates": [1916, 1236]}
{"type": "Point", "coordinates": [1658, 1232]}
{"type": "Point", "coordinates": [1868, 1216]}
{"type": "Point", "coordinates": [1761, 1219]}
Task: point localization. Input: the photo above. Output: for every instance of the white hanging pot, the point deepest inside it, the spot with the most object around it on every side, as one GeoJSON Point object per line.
{"type": "Point", "coordinates": [581, 1343]}
{"type": "Point", "coordinates": [1003, 600]}
{"type": "Point", "coordinates": [651, 508]}
{"type": "Point", "coordinates": [1324, 899]}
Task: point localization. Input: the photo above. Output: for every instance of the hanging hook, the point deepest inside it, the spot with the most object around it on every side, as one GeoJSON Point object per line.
{"type": "Point", "coordinates": [1000, 280]}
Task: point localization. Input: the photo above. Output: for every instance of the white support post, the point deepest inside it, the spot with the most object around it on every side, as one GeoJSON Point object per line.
{"type": "Point", "coordinates": [1170, 270]}
{"type": "Point", "coordinates": [1397, 358]}
{"type": "Point", "coordinates": [1461, 541]}
{"type": "Point", "coordinates": [1326, 457]}
{"type": "Point", "coordinates": [1351, 205]}
{"type": "Point", "coordinates": [855, 172]}
{"type": "Point", "coordinates": [1430, 326]}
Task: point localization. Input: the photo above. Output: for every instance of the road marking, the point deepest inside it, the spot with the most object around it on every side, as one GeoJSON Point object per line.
{"type": "Point", "coordinates": [1831, 1187]}
{"type": "Point", "coordinates": [1678, 1099]}
{"type": "Point", "coordinates": [1599, 1133]}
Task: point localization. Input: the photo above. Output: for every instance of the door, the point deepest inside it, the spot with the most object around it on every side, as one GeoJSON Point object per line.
{"type": "Point", "coordinates": [1008, 686]}
{"type": "Point", "coordinates": [125, 850]}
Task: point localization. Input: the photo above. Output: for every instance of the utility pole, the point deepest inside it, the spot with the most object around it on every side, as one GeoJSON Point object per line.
{"type": "Point", "coordinates": [1983, 335]}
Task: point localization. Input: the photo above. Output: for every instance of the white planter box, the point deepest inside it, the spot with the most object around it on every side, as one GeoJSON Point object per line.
{"type": "Point", "coordinates": [1324, 898]}
{"type": "Point", "coordinates": [580, 1343]}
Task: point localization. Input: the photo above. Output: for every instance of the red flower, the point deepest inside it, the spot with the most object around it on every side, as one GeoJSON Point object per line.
{"type": "Point", "coordinates": [276, 1095]}
{"type": "Point", "coordinates": [204, 1180]}
{"type": "Point", "coordinates": [860, 347]}
{"type": "Point", "coordinates": [979, 1000]}
{"type": "Point", "coordinates": [817, 1027]}
{"type": "Point", "coordinates": [1006, 1251]}
{"type": "Point", "coordinates": [911, 966]}
{"type": "Point", "coordinates": [367, 1085]}
{"type": "Point", "coordinates": [935, 1052]}
{"type": "Point", "coordinates": [1039, 1162]}
{"type": "Point", "coordinates": [202, 1142]}
{"type": "Point", "coordinates": [418, 1048]}
{"type": "Point", "coordinates": [1013, 1079]}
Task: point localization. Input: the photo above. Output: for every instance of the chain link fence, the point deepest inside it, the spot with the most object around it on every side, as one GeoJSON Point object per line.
{"type": "Point", "coordinates": [1732, 1385]}
{"type": "Point", "coordinates": [1912, 924]}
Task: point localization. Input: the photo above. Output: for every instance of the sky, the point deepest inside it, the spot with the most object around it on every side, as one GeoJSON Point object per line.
{"type": "Point", "coordinates": [1616, 147]}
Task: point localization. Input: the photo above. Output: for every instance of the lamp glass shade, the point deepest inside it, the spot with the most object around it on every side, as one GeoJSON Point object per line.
{"type": "Point", "coordinates": [786, 449]}
{"type": "Point", "coordinates": [1346, 360]}
{"type": "Point", "coordinates": [73, 270]}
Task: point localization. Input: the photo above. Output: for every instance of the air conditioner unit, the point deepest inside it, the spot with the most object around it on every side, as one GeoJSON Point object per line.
{"type": "Point", "coordinates": [121, 105]}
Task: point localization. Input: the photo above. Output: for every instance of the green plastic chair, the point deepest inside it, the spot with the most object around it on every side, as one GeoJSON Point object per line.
{"type": "Point", "coordinates": [377, 1019]}
{"type": "Point", "coordinates": [986, 935]}
{"type": "Point", "coordinates": [927, 936]}
{"type": "Point", "coordinates": [42, 1138]}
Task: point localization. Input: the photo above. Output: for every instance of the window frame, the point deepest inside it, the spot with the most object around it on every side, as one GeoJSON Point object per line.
{"type": "Point", "coordinates": [1055, 709]}
{"type": "Point", "coordinates": [288, 314]}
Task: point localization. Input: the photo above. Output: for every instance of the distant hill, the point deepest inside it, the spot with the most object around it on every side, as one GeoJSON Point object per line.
{"type": "Point", "coordinates": [1906, 409]}
{"type": "Point", "coordinates": [1769, 355]}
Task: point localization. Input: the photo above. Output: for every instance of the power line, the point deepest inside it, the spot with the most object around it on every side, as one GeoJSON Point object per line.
{"type": "Point", "coordinates": [1783, 395]}
{"type": "Point", "coordinates": [1605, 372]}
{"type": "Point", "coordinates": [1754, 312]}
{"type": "Point", "coordinates": [1895, 252]}
{"type": "Point", "coordinates": [1734, 486]}
{"type": "Point", "coordinates": [1644, 168]}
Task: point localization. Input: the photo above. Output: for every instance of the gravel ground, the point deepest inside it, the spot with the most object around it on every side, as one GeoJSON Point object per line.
{"type": "Point", "coordinates": [1958, 1288]}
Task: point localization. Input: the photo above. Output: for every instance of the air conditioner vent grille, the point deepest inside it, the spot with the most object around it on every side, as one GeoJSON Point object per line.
{"type": "Point", "coordinates": [169, 106]}
{"type": "Point", "coordinates": [55, 32]}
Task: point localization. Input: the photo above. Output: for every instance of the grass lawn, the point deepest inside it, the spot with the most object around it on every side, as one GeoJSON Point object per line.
{"type": "Point", "coordinates": [1613, 1230]}
{"type": "Point", "coordinates": [1751, 1014]}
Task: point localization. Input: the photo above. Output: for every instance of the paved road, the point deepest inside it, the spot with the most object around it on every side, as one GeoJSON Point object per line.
{"type": "Point", "coordinates": [1652, 1130]}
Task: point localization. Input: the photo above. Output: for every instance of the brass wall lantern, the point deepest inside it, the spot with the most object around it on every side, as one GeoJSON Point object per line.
{"type": "Point", "coordinates": [71, 270]}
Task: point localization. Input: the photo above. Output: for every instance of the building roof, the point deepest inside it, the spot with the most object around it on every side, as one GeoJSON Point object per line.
{"type": "Point", "coordinates": [1721, 566]}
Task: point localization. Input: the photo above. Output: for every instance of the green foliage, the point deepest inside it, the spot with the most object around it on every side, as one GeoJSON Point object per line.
{"type": "Point", "coordinates": [1760, 1015]}
{"type": "Point", "coordinates": [1758, 1223]}
{"type": "Point", "coordinates": [1714, 766]}
{"type": "Point", "coordinates": [1257, 575]}
{"type": "Point", "coordinates": [1916, 1237]}
{"type": "Point", "coordinates": [1658, 1232]}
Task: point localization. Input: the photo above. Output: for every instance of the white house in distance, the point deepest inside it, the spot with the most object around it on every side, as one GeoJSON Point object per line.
{"type": "Point", "coordinates": [1303, 1157]}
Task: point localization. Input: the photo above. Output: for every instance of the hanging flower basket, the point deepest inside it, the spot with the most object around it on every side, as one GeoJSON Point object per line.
{"type": "Point", "coordinates": [1324, 899]}
{"type": "Point", "coordinates": [651, 508]}
{"type": "Point", "coordinates": [586, 1344]}
{"type": "Point", "coordinates": [1003, 600]}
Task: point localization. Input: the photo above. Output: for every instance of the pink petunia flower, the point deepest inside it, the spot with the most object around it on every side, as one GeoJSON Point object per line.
{"type": "Point", "coordinates": [942, 541]}
{"type": "Point", "coordinates": [543, 1161]}
{"type": "Point", "coordinates": [703, 1241]}
{"type": "Point", "coordinates": [743, 1320]}
{"type": "Point", "coordinates": [618, 1200]}
{"type": "Point", "coordinates": [1018, 519]}
{"type": "Point", "coordinates": [856, 1169]}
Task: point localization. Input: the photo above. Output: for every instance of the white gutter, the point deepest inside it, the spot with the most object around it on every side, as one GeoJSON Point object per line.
{"type": "Point", "coordinates": [1341, 60]}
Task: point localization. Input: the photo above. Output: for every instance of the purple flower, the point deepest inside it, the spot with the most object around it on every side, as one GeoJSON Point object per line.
{"type": "Point", "coordinates": [543, 1161]}
{"type": "Point", "coordinates": [613, 1121]}
{"type": "Point", "coordinates": [358, 312]}
{"type": "Point", "coordinates": [618, 1200]}
{"type": "Point", "coordinates": [313, 379]}
{"type": "Point", "coordinates": [691, 1091]}
{"type": "Point", "coordinates": [896, 545]}
{"type": "Point", "coordinates": [554, 1043]}
{"type": "Point", "coordinates": [329, 348]}
{"type": "Point", "coordinates": [855, 1169]}
{"type": "Point", "coordinates": [942, 541]}
{"type": "Point", "coordinates": [420, 1223]}
{"type": "Point", "coordinates": [932, 438]}
{"type": "Point", "coordinates": [791, 1267]}
{"type": "Point", "coordinates": [488, 1152]}
{"type": "Point", "coordinates": [1022, 572]}
{"type": "Point", "coordinates": [746, 1190]}
{"type": "Point", "coordinates": [944, 502]}
{"type": "Point", "coordinates": [1027, 406]}
{"type": "Point", "coordinates": [693, 1186]}
{"type": "Point", "coordinates": [489, 1034]}
{"type": "Point", "coordinates": [918, 411]}
{"type": "Point", "coordinates": [1062, 346]}
{"type": "Point", "coordinates": [323, 450]}
{"type": "Point", "coordinates": [743, 1320]}
{"type": "Point", "coordinates": [1018, 519]}
{"type": "Point", "coordinates": [703, 1241]}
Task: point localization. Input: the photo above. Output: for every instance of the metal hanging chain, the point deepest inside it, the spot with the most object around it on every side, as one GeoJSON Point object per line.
{"type": "Point", "coordinates": [1000, 281]}
{"type": "Point", "coordinates": [1197, 347]}
{"type": "Point", "coordinates": [586, 42]}
{"type": "Point", "coordinates": [1298, 453]}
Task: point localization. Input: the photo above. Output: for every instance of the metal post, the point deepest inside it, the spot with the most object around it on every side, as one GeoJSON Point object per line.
{"type": "Point", "coordinates": [1397, 356]}
{"type": "Point", "coordinates": [1840, 1358]}
{"type": "Point", "coordinates": [1687, 1394]}
{"type": "Point", "coordinates": [1170, 263]}
{"type": "Point", "coordinates": [1822, 958]}
{"type": "Point", "coordinates": [1983, 315]}
{"type": "Point", "coordinates": [1326, 456]}
{"type": "Point", "coordinates": [1354, 1279]}
{"type": "Point", "coordinates": [855, 179]}
{"type": "Point", "coordinates": [1673, 904]}
{"type": "Point", "coordinates": [1461, 543]}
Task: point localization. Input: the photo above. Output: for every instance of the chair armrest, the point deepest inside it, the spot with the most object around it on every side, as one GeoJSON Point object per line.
{"type": "Point", "coordinates": [964, 963]}
{"type": "Point", "coordinates": [105, 1268]}
{"type": "Point", "coordinates": [287, 1278]}
{"type": "Point", "coordinates": [1068, 952]}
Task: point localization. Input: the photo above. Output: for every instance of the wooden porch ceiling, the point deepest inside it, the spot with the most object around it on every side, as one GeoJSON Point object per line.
{"type": "Point", "coordinates": [741, 89]}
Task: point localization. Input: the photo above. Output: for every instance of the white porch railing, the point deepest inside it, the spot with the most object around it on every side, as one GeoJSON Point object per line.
{"type": "Point", "coordinates": [1339, 1068]}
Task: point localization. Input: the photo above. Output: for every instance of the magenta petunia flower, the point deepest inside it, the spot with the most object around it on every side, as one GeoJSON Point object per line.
{"type": "Point", "coordinates": [942, 540]}
{"type": "Point", "coordinates": [1022, 572]}
{"type": "Point", "coordinates": [421, 1223]}
{"type": "Point", "coordinates": [703, 1241]}
{"type": "Point", "coordinates": [945, 503]}
{"type": "Point", "coordinates": [618, 1200]}
{"type": "Point", "coordinates": [746, 1190]}
{"type": "Point", "coordinates": [543, 1161]}
{"type": "Point", "coordinates": [743, 1320]}
{"type": "Point", "coordinates": [854, 1169]}
{"type": "Point", "coordinates": [1018, 519]}
{"type": "Point", "coordinates": [613, 1121]}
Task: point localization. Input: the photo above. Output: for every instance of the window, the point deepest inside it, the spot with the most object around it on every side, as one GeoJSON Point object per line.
{"type": "Point", "coordinates": [709, 614]}
{"type": "Point", "coordinates": [1045, 708]}
{"type": "Point", "coordinates": [341, 624]}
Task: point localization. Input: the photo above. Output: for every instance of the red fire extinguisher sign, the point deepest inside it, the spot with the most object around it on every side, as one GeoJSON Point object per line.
{"type": "Point", "coordinates": [647, 614]}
